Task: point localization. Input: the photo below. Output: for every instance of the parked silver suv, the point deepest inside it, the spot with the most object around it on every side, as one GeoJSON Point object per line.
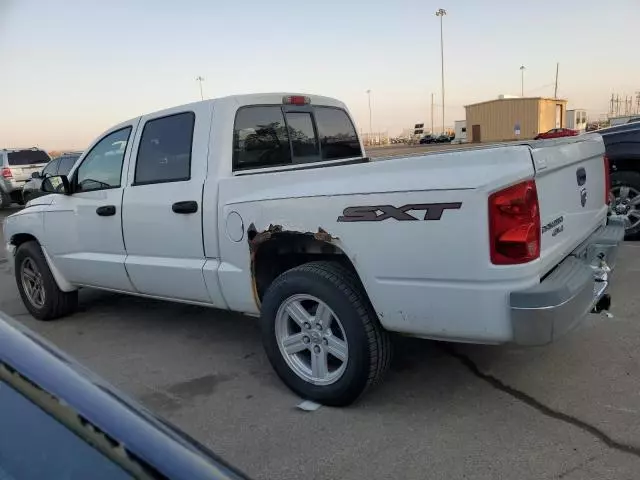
{"type": "Point", "coordinates": [16, 167]}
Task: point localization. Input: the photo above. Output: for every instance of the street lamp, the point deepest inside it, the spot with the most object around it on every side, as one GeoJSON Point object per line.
{"type": "Point", "coordinates": [522, 69]}
{"type": "Point", "coordinates": [200, 79]}
{"type": "Point", "coordinates": [441, 13]}
{"type": "Point", "coordinates": [370, 127]}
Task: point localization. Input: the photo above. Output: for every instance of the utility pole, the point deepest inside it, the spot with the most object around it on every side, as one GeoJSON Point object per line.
{"type": "Point", "coordinates": [441, 12]}
{"type": "Point", "coordinates": [626, 105]}
{"type": "Point", "coordinates": [432, 112]}
{"type": "Point", "coordinates": [637, 102]}
{"type": "Point", "coordinates": [555, 91]}
{"type": "Point", "coordinates": [370, 124]}
{"type": "Point", "coordinates": [611, 109]}
{"type": "Point", "coordinates": [200, 79]}
{"type": "Point", "coordinates": [617, 105]}
{"type": "Point", "coordinates": [522, 69]}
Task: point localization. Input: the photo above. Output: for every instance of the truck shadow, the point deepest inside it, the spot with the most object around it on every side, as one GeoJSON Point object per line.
{"type": "Point", "coordinates": [424, 375]}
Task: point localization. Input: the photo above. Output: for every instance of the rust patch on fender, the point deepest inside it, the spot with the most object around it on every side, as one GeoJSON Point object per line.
{"type": "Point", "coordinates": [255, 239]}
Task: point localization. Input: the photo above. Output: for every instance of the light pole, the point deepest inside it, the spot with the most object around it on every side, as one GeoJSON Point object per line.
{"type": "Point", "coordinates": [370, 124]}
{"type": "Point", "coordinates": [522, 69]}
{"type": "Point", "coordinates": [200, 79]}
{"type": "Point", "coordinates": [441, 13]}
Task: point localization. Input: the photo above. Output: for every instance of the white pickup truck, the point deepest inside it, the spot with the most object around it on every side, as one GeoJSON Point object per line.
{"type": "Point", "coordinates": [266, 204]}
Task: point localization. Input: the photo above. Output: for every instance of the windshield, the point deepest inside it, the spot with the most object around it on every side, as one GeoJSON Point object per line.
{"type": "Point", "coordinates": [28, 157]}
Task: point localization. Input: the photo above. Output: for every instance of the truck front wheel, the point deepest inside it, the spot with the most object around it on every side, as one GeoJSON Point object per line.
{"type": "Point", "coordinates": [321, 334]}
{"type": "Point", "coordinates": [37, 287]}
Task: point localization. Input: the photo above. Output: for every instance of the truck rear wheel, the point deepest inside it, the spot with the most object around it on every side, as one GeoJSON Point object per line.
{"type": "Point", "coordinates": [321, 334]}
{"type": "Point", "coordinates": [625, 188]}
{"type": "Point", "coordinates": [37, 287]}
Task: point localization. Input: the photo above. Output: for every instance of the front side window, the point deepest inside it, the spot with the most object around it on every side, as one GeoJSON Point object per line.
{"type": "Point", "coordinates": [260, 138]}
{"type": "Point", "coordinates": [338, 136]}
{"type": "Point", "coordinates": [51, 168]}
{"type": "Point", "coordinates": [102, 167]}
{"type": "Point", "coordinates": [164, 154]}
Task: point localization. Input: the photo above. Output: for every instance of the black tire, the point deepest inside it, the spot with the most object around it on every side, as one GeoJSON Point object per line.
{"type": "Point", "coordinates": [628, 179]}
{"type": "Point", "coordinates": [25, 198]}
{"type": "Point", "coordinates": [368, 343]}
{"type": "Point", "coordinates": [56, 303]}
{"type": "Point", "coordinates": [5, 200]}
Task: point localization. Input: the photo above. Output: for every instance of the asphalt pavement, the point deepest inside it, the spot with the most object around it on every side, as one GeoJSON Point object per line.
{"type": "Point", "coordinates": [567, 411]}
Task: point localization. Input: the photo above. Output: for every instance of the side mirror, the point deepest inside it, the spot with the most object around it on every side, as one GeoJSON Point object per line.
{"type": "Point", "coordinates": [56, 184]}
{"type": "Point", "coordinates": [35, 175]}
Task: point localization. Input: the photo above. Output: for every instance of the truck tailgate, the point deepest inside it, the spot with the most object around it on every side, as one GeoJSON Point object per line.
{"type": "Point", "coordinates": [570, 179]}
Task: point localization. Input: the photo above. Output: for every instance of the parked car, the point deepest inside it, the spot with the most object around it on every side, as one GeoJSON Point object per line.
{"type": "Point", "coordinates": [16, 167]}
{"type": "Point", "coordinates": [267, 204]}
{"type": "Point", "coordinates": [622, 144]}
{"type": "Point", "coordinates": [59, 420]}
{"type": "Point", "coordinates": [444, 138]}
{"type": "Point", "coordinates": [557, 133]}
{"type": "Point", "coordinates": [58, 166]}
{"type": "Point", "coordinates": [427, 139]}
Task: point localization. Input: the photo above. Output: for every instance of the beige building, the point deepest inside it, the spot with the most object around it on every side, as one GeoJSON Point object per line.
{"type": "Point", "coordinates": [513, 118]}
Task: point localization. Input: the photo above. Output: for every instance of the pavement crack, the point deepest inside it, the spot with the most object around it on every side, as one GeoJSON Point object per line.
{"type": "Point", "coordinates": [541, 407]}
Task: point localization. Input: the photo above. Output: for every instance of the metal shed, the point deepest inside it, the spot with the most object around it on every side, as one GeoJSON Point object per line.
{"type": "Point", "coordinates": [514, 118]}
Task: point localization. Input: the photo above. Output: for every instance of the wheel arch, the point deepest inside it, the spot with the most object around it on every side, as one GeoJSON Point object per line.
{"type": "Point", "coordinates": [19, 239]}
{"type": "Point", "coordinates": [275, 251]}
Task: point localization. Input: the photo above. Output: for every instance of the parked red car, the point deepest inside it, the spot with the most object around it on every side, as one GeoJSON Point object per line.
{"type": "Point", "coordinates": [557, 132]}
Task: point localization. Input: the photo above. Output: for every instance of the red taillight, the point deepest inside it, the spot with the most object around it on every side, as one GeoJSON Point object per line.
{"type": "Point", "coordinates": [607, 181]}
{"type": "Point", "coordinates": [6, 173]}
{"type": "Point", "coordinates": [514, 224]}
{"type": "Point", "coordinates": [296, 100]}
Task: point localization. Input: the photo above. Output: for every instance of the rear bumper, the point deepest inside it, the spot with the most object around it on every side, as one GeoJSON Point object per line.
{"type": "Point", "coordinates": [10, 185]}
{"type": "Point", "coordinates": [543, 313]}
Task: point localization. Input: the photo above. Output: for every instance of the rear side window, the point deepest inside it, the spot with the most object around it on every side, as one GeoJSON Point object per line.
{"type": "Point", "coordinates": [51, 168]}
{"type": "Point", "coordinates": [164, 154]}
{"type": "Point", "coordinates": [66, 164]}
{"type": "Point", "coordinates": [260, 138]}
{"type": "Point", "coordinates": [27, 157]}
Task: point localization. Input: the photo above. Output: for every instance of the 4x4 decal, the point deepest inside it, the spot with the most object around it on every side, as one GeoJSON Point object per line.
{"type": "Point", "coordinates": [377, 213]}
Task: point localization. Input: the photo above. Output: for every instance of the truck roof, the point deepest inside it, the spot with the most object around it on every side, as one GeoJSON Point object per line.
{"type": "Point", "coordinates": [269, 98]}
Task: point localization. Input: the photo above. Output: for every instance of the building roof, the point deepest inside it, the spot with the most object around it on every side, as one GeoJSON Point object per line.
{"type": "Point", "coordinates": [516, 99]}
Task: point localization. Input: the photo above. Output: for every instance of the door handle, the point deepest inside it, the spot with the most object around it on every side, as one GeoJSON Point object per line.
{"type": "Point", "coordinates": [189, 206]}
{"type": "Point", "coordinates": [106, 211]}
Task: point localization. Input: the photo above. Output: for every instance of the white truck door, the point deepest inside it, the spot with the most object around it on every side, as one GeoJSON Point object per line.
{"type": "Point", "coordinates": [84, 230]}
{"type": "Point", "coordinates": [162, 205]}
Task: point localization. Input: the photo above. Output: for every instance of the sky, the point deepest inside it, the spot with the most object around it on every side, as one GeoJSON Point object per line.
{"type": "Point", "coordinates": [70, 69]}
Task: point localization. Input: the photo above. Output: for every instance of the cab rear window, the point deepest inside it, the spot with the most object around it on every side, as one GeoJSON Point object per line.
{"type": "Point", "coordinates": [27, 157]}
{"type": "Point", "coordinates": [271, 136]}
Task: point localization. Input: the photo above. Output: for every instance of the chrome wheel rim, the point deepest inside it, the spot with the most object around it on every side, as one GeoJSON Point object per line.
{"type": "Point", "coordinates": [311, 339]}
{"type": "Point", "coordinates": [32, 283]}
{"type": "Point", "coordinates": [626, 204]}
